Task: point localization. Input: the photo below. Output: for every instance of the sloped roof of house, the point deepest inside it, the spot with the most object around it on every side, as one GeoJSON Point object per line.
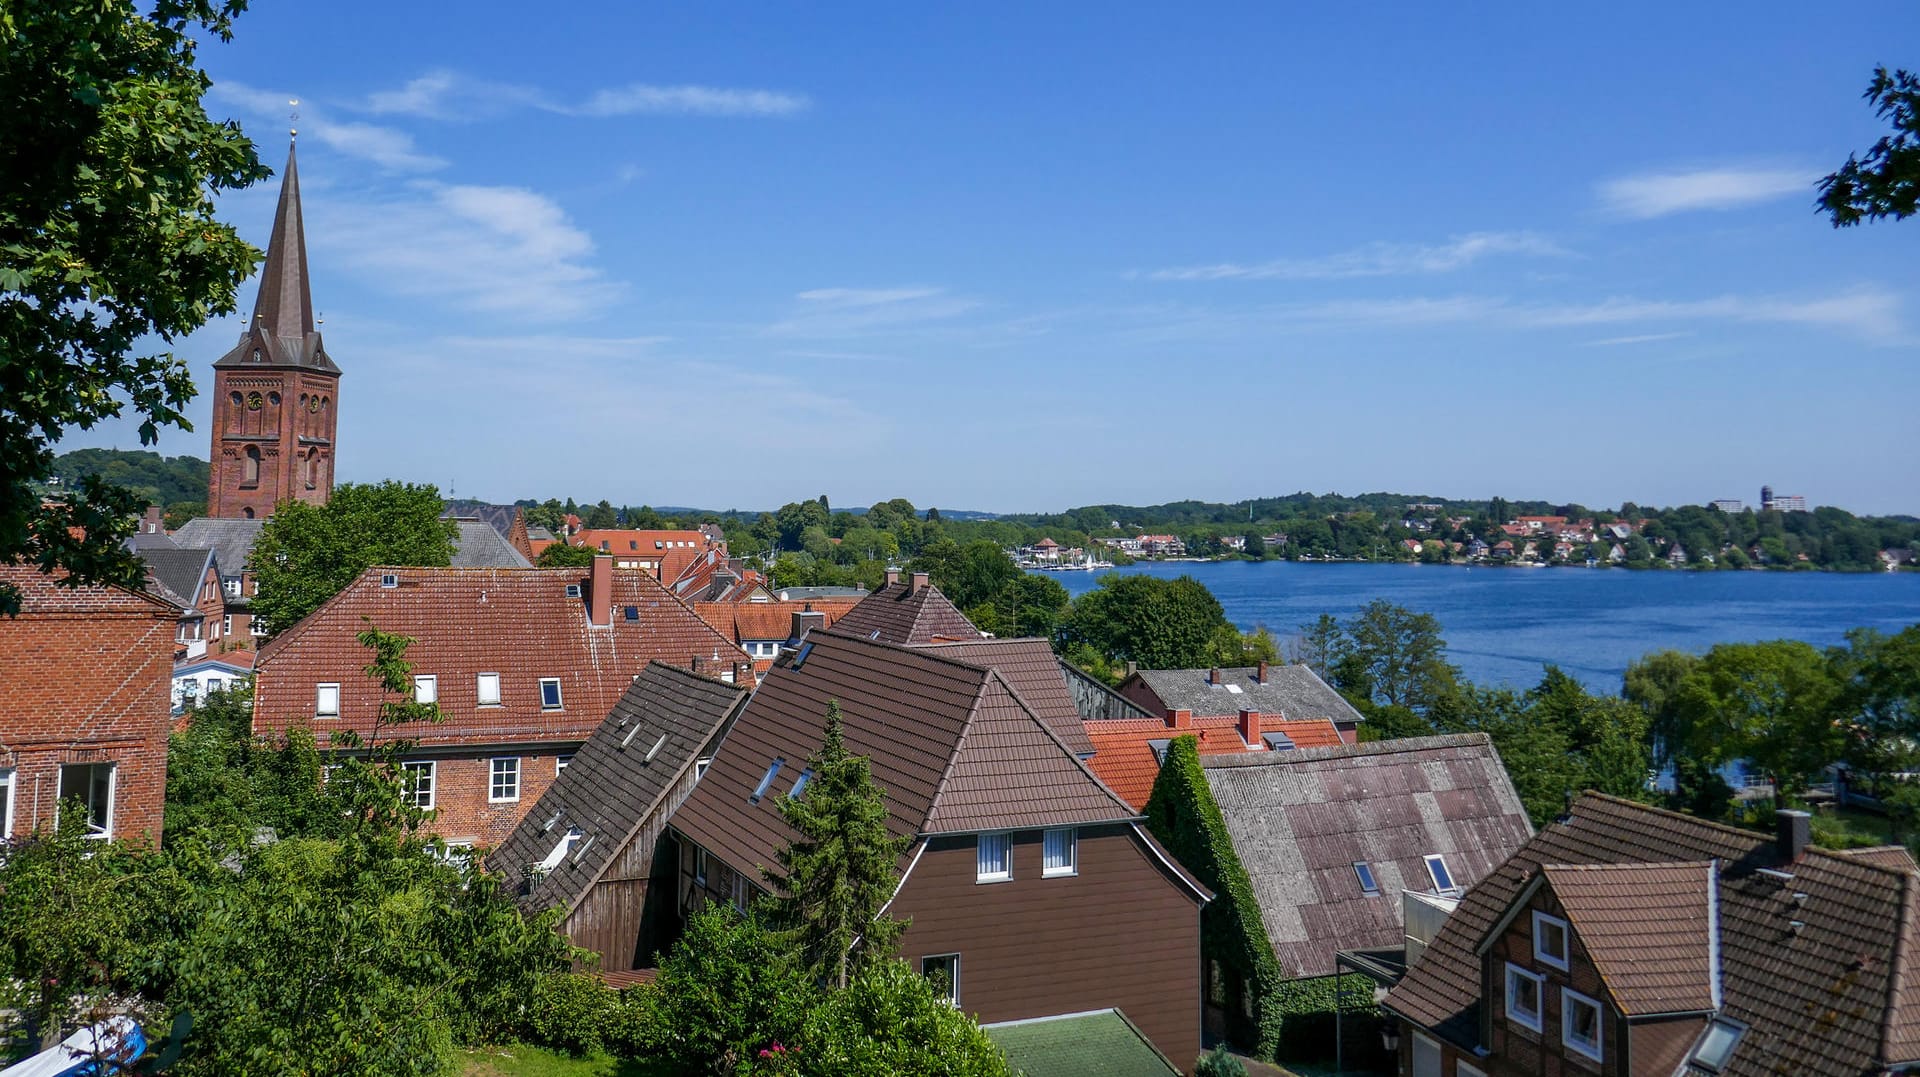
{"type": "Point", "coordinates": [1646, 928]}
{"type": "Point", "coordinates": [479, 545]}
{"type": "Point", "coordinates": [617, 780]}
{"type": "Point", "coordinates": [1839, 995]}
{"type": "Point", "coordinates": [1291, 691]}
{"type": "Point", "coordinates": [498, 517]}
{"type": "Point", "coordinates": [177, 571]}
{"type": "Point", "coordinates": [1299, 820]}
{"type": "Point", "coordinates": [518, 623]}
{"type": "Point", "coordinates": [1031, 669]}
{"type": "Point", "coordinates": [905, 613]}
{"type": "Point", "coordinates": [42, 594]}
{"type": "Point", "coordinates": [745, 621]}
{"type": "Point", "coordinates": [231, 540]}
{"type": "Point", "coordinates": [675, 550]}
{"type": "Point", "coordinates": [952, 745]}
{"type": "Point", "coordinates": [1098, 1044]}
{"type": "Point", "coordinates": [237, 661]}
{"type": "Point", "coordinates": [1125, 759]}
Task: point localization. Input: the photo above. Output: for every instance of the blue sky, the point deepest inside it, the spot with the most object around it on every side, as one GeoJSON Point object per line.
{"type": "Point", "coordinates": [1029, 257]}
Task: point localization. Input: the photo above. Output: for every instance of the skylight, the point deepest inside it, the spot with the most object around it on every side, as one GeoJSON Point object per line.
{"type": "Point", "coordinates": [800, 783]}
{"type": "Point", "coordinates": [766, 782]}
{"type": "Point", "coordinates": [654, 751]}
{"type": "Point", "coordinates": [1717, 1046]}
{"type": "Point", "coordinates": [1234, 688]}
{"type": "Point", "coordinates": [1364, 872]}
{"type": "Point", "coordinates": [1278, 742]}
{"type": "Point", "coordinates": [573, 590]}
{"type": "Point", "coordinates": [1159, 750]}
{"type": "Point", "coordinates": [632, 612]}
{"type": "Point", "coordinates": [1442, 878]}
{"type": "Point", "coordinates": [805, 650]}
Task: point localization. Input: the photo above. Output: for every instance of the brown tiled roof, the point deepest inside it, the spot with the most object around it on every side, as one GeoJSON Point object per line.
{"type": "Point", "coordinates": [518, 623]}
{"type": "Point", "coordinates": [616, 781]}
{"type": "Point", "coordinates": [951, 745]}
{"type": "Point", "coordinates": [1123, 748]}
{"type": "Point", "coordinates": [1030, 667]}
{"type": "Point", "coordinates": [1645, 927]}
{"type": "Point", "coordinates": [899, 613]}
{"type": "Point", "coordinates": [1836, 997]}
{"type": "Point", "coordinates": [1298, 820]}
{"type": "Point", "coordinates": [1887, 856]}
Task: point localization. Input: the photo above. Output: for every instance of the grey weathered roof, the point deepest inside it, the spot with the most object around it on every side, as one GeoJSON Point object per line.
{"type": "Point", "coordinates": [1098, 1044]}
{"type": "Point", "coordinates": [178, 571]}
{"type": "Point", "coordinates": [1298, 820]}
{"type": "Point", "coordinates": [801, 594]}
{"type": "Point", "coordinates": [231, 540]}
{"type": "Point", "coordinates": [903, 613]}
{"type": "Point", "coordinates": [540, 534]}
{"type": "Point", "coordinates": [149, 540]}
{"type": "Point", "coordinates": [1030, 667]}
{"type": "Point", "coordinates": [953, 747]}
{"type": "Point", "coordinates": [1291, 692]}
{"type": "Point", "coordinates": [479, 546]}
{"type": "Point", "coordinates": [611, 788]}
{"type": "Point", "coordinates": [1837, 997]}
{"type": "Point", "coordinates": [498, 517]}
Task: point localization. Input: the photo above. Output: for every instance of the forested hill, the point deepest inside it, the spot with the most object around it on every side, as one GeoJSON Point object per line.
{"type": "Point", "coordinates": [162, 480]}
{"type": "Point", "coordinates": [1292, 506]}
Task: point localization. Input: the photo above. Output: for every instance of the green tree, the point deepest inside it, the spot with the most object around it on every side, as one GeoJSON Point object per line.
{"type": "Point", "coordinates": [728, 989]}
{"type": "Point", "coordinates": [968, 575]}
{"type": "Point", "coordinates": [1320, 645]}
{"type": "Point", "coordinates": [1886, 183]}
{"type": "Point", "coordinates": [1156, 623]}
{"type": "Point", "coordinates": [1775, 703]}
{"type": "Point", "coordinates": [1653, 683]}
{"type": "Point", "coordinates": [838, 874]}
{"type": "Point", "coordinates": [1880, 680]}
{"type": "Point", "coordinates": [562, 555]}
{"type": "Point", "coordinates": [306, 554]}
{"type": "Point", "coordinates": [1395, 657]}
{"type": "Point", "coordinates": [223, 784]}
{"type": "Point", "coordinates": [890, 1020]}
{"type": "Point", "coordinates": [108, 240]}
{"type": "Point", "coordinates": [1256, 546]}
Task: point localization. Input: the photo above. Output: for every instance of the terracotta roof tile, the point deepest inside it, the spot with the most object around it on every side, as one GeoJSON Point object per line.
{"type": "Point", "coordinates": [1646, 928]}
{"type": "Point", "coordinates": [1124, 757]}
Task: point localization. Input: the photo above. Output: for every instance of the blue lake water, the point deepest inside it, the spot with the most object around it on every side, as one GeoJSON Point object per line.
{"type": "Point", "coordinates": [1503, 624]}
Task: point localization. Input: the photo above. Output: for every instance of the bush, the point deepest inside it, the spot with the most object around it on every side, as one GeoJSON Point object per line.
{"type": "Point", "coordinates": [890, 1021]}
{"type": "Point", "coordinates": [1219, 1063]}
{"type": "Point", "coordinates": [572, 1012]}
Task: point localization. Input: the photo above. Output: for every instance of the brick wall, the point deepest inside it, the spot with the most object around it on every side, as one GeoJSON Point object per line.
{"type": "Point", "coordinates": [463, 782]}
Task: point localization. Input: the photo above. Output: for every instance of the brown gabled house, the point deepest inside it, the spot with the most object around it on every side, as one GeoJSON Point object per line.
{"type": "Point", "coordinates": [1627, 940]}
{"type": "Point", "coordinates": [588, 845]}
{"type": "Point", "coordinates": [524, 664]}
{"type": "Point", "coordinates": [1031, 889]}
{"type": "Point", "coordinates": [908, 610]}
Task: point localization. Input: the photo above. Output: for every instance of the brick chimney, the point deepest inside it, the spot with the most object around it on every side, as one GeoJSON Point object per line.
{"type": "Point", "coordinates": [893, 576]}
{"type": "Point", "coordinates": [1262, 675]}
{"type": "Point", "coordinates": [600, 592]}
{"type": "Point", "coordinates": [1213, 675]}
{"type": "Point", "coordinates": [919, 583]}
{"type": "Point", "coordinates": [806, 621]}
{"type": "Point", "coordinates": [150, 522]}
{"type": "Point", "coordinates": [1250, 728]}
{"type": "Point", "coordinates": [1180, 719]}
{"type": "Point", "coordinates": [1793, 832]}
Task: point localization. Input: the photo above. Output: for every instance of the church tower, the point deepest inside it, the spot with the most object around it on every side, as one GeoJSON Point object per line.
{"type": "Point", "coordinates": [276, 394]}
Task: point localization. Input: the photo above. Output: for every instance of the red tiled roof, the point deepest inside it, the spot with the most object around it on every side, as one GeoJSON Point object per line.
{"type": "Point", "coordinates": [1123, 754]}
{"type": "Point", "coordinates": [744, 621]}
{"type": "Point", "coordinates": [518, 623]}
{"type": "Point", "coordinates": [43, 594]}
{"type": "Point", "coordinates": [675, 550]}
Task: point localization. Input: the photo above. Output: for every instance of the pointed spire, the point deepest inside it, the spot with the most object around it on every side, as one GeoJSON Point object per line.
{"type": "Point", "coordinates": [285, 305]}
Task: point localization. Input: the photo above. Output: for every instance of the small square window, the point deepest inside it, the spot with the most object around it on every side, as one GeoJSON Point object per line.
{"type": "Point", "coordinates": [326, 701]}
{"type": "Point", "coordinates": [486, 688]}
{"type": "Point", "coordinates": [426, 688]}
{"type": "Point", "coordinates": [1368, 884]}
{"type": "Point", "coordinates": [1442, 878]}
{"type": "Point", "coordinates": [90, 785]}
{"type": "Point", "coordinates": [1550, 940]}
{"type": "Point", "coordinates": [994, 858]}
{"type": "Point", "coordinates": [504, 779]}
{"type": "Point", "coordinates": [419, 779]}
{"type": "Point", "coordinates": [1580, 1025]}
{"type": "Point", "coordinates": [944, 971]}
{"type": "Point", "coordinates": [1523, 997]}
{"type": "Point", "coordinates": [550, 694]}
{"type": "Point", "coordinates": [1061, 852]}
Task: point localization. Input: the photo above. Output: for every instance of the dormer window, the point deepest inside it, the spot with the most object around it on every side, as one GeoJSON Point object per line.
{"type": "Point", "coordinates": [1159, 750]}
{"type": "Point", "coordinates": [1550, 940]}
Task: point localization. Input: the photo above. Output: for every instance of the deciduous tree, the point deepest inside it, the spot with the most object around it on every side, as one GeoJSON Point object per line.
{"type": "Point", "coordinates": [1886, 182]}
{"type": "Point", "coordinates": [306, 554]}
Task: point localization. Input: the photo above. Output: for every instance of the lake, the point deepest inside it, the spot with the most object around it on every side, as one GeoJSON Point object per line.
{"type": "Point", "coordinates": [1503, 624]}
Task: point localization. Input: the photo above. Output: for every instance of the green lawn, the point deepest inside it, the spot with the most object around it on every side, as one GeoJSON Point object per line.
{"type": "Point", "coordinates": [520, 1061]}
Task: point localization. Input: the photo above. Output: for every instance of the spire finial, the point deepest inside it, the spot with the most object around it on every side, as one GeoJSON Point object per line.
{"type": "Point", "coordinates": [293, 119]}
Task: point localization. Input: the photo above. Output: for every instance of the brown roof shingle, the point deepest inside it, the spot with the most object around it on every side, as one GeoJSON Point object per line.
{"type": "Point", "coordinates": [1031, 669]}
{"type": "Point", "coordinates": [903, 613]}
{"type": "Point", "coordinates": [1646, 929]}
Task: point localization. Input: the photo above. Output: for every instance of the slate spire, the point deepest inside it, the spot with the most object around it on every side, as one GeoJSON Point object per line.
{"type": "Point", "coordinates": [284, 307]}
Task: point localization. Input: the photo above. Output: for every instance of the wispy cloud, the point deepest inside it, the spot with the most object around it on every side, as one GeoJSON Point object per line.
{"type": "Point", "coordinates": [840, 312]}
{"type": "Point", "coordinates": [501, 251]}
{"type": "Point", "coordinates": [1657, 194]}
{"type": "Point", "coordinates": [1375, 260]}
{"type": "Point", "coordinates": [449, 95]}
{"type": "Point", "coordinates": [388, 147]}
{"type": "Point", "coordinates": [1640, 338]}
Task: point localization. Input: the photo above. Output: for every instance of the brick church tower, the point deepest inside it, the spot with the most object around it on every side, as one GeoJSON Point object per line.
{"type": "Point", "coordinates": [276, 394]}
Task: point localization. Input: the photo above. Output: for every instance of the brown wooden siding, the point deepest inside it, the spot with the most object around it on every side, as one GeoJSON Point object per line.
{"type": "Point", "coordinates": [623, 918]}
{"type": "Point", "coordinates": [1120, 933]}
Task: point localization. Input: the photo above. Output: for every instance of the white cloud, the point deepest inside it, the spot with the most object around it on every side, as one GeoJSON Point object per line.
{"type": "Point", "coordinates": [387, 147]}
{"type": "Point", "coordinates": [449, 95]}
{"type": "Point", "coordinates": [840, 312]}
{"type": "Point", "coordinates": [1657, 194]}
{"type": "Point", "coordinates": [1375, 260]}
{"type": "Point", "coordinates": [1638, 338]}
{"type": "Point", "coordinates": [692, 101]}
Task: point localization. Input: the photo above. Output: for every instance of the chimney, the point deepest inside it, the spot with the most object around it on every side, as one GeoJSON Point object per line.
{"type": "Point", "coordinates": [1793, 832]}
{"type": "Point", "coordinates": [150, 522]}
{"type": "Point", "coordinates": [1213, 675]}
{"type": "Point", "coordinates": [600, 592]}
{"type": "Point", "coordinates": [1250, 728]}
{"type": "Point", "coordinates": [1180, 719]}
{"type": "Point", "coordinates": [919, 583]}
{"type": "Point", "coordinates": [1263, 671]}
{"type": "Point", "coordinates": [696, 664]}
{"type": "Point", "coordinates": [806, 621]}
{"type": "Point", "coordinates": [893, 576]}
{"type": "Point", "coordinates": [1132, 668]}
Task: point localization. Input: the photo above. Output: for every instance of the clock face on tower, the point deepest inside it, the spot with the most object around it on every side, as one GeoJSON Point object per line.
{"type": "Point", "coordinates": [253, 401]}
{"type": "Point", "coordinates": [313, 404]}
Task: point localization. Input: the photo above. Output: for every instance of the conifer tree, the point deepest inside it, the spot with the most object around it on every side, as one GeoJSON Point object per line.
{"type": "Point", "coordinates": [840, 871]}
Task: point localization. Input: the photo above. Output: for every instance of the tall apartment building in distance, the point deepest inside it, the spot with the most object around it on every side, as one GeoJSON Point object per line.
{"type": "Point", "coordinates": [1782, 503]}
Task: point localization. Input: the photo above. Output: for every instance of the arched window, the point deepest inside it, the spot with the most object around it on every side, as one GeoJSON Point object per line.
{"type": "Point", "coordinates": [310, 468]}
{"type": "Point", "coordinates": [252, 472]}
{"type": "Point", "coordinates": [247, 513]}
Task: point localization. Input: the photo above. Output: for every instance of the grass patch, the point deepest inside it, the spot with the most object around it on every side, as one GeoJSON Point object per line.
{"type": "Point", "coordinates": [522, 1061]}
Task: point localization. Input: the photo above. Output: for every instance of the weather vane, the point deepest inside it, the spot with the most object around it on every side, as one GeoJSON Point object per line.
{"type": "Point", "coordinates": [293, 117]}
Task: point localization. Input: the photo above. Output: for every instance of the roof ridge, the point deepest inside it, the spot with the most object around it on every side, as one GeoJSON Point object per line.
{"type": "Point", "coordinates": [924, 650]}
{"type": "Point", "coordinates": [1403, 745]}
{"type": "Point", "coordinates": [1692, 820]}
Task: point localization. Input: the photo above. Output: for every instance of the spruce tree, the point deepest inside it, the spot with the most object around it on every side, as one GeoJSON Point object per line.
{"type": "Point", "coordinates": [839, 872]}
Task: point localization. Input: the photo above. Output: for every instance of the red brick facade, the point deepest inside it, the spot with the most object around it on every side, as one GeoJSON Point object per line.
{"type": "Point", "coordinates": [273, 438]}
{"type": "Point", "coordinates": [87, 673]}
{"type": "Point", "coordinates": [465, 811]}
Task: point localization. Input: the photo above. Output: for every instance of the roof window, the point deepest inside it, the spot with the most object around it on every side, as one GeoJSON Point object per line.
{"type": "Point", "coordinates": [1717, 1046]}
{"type": "Point", "coordinates": [573, 590]}
{"type": "Point", "coordinates": [1159, 750]}
{"type": "Point", "coordinates": [1234, 689]}
{"type": "Point", "coordinates": [1442, 878]}
{"type": "Point", "coordinates": [805, 650]}
{"type": "Point", "coordinates": [1278, 742]}
{"type": "Point", "coordinates": [632, 612]}
{"type": "Point", "coordinates": [766, 781]}
{"type": "Point", "coordinates": [389, 580]}
{"type": "Point", "coordinates": [654, 752]}
{"type": "Point", "coordinates": [1368, 884]}
{"type": "Point", "coordinates": [800, 783]}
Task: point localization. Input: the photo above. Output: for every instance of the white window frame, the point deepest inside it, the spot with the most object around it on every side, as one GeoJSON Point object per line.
{"type": "Point", "coordinates": [953, 985]}
{"type": "Point", "coordinates": [432, 771]}
{"type": "Point", "coordinates": [9, 782]}
{"type": "Point", "coordinates": [426, 688]}
{"type": "Point", "coordinates": [494, 773]}
{"type": "Point", "coordinates": [560, 702]}
{"type": "Point", "coordinates": [699, 867]}
{"type": "Point", "coordinates": [480, 693]}
{"type": "Point", "coordinates": [1453, 884]}
{"type": "Point", "coordinates": [560, 763]}
{"type": "Point", "coordinates": [320, 691]}
{"type": "Point", "coordinates": [1001, 839]}
{"type": "Point", "coordinates": [741, 891]}
{"type": "Point", "coordinates": [105, 831]}
{"type": "Point", "coordinates": [1050, 870]}
{"type": "Point", "coordinates": [1514, 974]}
{"type": "Point", "coordinates": [1541, 922]}
{"type": "Point", "coordinates": [1569, 998]}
